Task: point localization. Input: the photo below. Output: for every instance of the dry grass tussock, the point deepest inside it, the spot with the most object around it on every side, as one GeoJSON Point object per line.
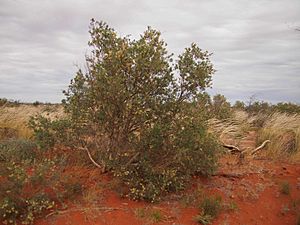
{"type": "Point", "coordinates": [13, 120]}
{"type": "Point", "coordinates": [284, 133]}
{"type": "Point", "coordinates": [283, 130]}
{"type": "Point", "coordinates": [232, 130]}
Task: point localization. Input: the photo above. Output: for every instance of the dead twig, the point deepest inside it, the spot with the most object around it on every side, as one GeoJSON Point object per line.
{"type": "Point", "coordinates": [90, 157]}
{"type": "Point", "coordinates": [132, 159]}
{"type": "Point", "coordinates": [260, 147]}
{"type": "Point", "coordinates": [232, 148]}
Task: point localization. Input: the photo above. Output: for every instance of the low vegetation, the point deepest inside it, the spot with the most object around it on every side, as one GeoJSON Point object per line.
{"type": "Point", "coordinates": [284, 133]}
{"type": "Point", "coordinates": [33, 182]}
{"type": "Point", "coordinates": [14, 120]}
{"type": "Point", "coordinates": [255, 107]}
{"type": "Point", "coordinates": [210, 207]}
{"type": "Point", "coordinates": [285, 188]}
{"type": "Point", "coordinates": [139, 115]}
{"type": "Point", "coordinates": [281, 129]}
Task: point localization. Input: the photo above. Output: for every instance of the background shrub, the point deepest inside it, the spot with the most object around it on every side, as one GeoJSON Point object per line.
{"type": "Point", "coordinates": [17, 150]}
{"type": "Point", "coordinates": [49, 132]}
{"type": "Point", "coordinates": [220, 107]}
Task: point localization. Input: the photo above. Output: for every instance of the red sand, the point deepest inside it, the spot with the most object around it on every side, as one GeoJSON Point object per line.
{"type": "Point", "coordinates": [256, 191]}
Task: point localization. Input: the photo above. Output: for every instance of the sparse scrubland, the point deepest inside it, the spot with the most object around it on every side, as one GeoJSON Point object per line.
{"type": "Point", "coordinates": [130, 125]}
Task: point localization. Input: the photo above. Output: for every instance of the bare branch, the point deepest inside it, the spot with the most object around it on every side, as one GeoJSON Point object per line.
{"type": "Point", "coordinates": [260, 147]}
{"type": "Point", "coordinates": [233, 149]}
{"type": "Point", "coordinates": [90, 157]}
{"type": "Point", "coordinates": [132, 159]}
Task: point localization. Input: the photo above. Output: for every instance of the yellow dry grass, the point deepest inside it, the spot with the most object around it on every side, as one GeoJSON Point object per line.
{"type": "Point", "coordinates": [231, 131]}
{"type": "Point", "coordinates": [14, 120]}
{"type": "Point", "coordinates": [284, 133]}
{"type": "Point", "coordinates": [281, 129]}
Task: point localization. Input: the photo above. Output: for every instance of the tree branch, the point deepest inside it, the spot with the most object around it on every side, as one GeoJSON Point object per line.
{"type": "Point", "coordinates": [232, 148]}
{"type": "Point", "coordinates": [90, 157]}
{"type": "Point", "coordinates": [260, 147]}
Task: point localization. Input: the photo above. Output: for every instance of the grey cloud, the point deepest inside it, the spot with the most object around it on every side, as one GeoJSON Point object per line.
{"type": "Point", "coordinates": [255, 45]}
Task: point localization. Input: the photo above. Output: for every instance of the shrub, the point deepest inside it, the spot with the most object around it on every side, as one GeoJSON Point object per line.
{"type": "Point", "coordinates": [156, 216]}
{"type": "Point", "coordinates": [28, 190]}
{"type": "Point", "coordinates": [36, 103]}
{"type": "Point", "coordinates": [211, 206]}
{"type": "Point", "coordinates": [285, 188]}
{"type": "Point", "coordinates": [9, 103]}
{"type": "Point", "coordinates": [203, 219]}
{"type": "Point", "coordinates": [232, 206]}
{"type": "Point", "coordinates": [3, 101]}
{"type": "Point", "coordinates": [239, 105]}
{"type": "Point", "coordinates": [255, 107]}
{"type": "Point", "coordinates": [139, 119]}
{"type": "Point", "coordinates": [220, 107]}
{"type": "Point", "coordinates": [287, 107]}
{"type": "Point", "coordinates": [16, 204]}
{"type": "Point", "coordinates": [17, 149]}
{"type": "Point", "coordinates": [49, 132]}
{"type": "Point", "coordinates": [25, 210]}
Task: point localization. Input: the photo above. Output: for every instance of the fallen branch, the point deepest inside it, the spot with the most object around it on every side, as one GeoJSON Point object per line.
{"type": "Point", "coordinates": [260, 147]}
{"type": "Point", "coordinates": [90, 157]}
{"type": "Point", "coordinates": [132, 159]}
{"type": "Point", "coordinates": [232, 148]}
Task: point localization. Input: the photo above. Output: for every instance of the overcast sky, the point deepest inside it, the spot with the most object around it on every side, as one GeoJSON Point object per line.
{"type": "Point", "coordinates": [255, 44]}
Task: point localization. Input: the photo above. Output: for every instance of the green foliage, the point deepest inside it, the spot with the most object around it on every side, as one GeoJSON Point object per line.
{"type": "Point", "coordinates": [211, 206]}
{"type": "Point", "coordinates": [149, 214]}
{"type": "Point", "coordinates": [256, 107]}
{"type": "Point", "coordinates": [204, 219]}
{"type": "Point", "coordinates": [36, 103]}
{"type": "Point", "coordinates": [156, 216]}
{"type": "Point", "coordinates": [31, 184]}
{"type": "Point", "coordinates": [137, 118]}
{"type": "Point", "coordinates": [15, 203]}
{"type": "Point", "coordinates": [9, 103]}
{"type": "Point", "coordinates": [17, 149]}
{"type": "Point", "coordinates": [3, 101]}
{"type": "Point", "coordinates": [48, 132]}
{"type": "Point", "coordinates": [232, 206]}
{"type": "Point", "coordinates": [220, 107]}
{"type": "Point", "coordinates": [285, 188]}
{"type": "Point", "coordinates": [239, 105]}
{"type": "Point", "coordinates": [287, 107]}
{"type": "Point", "coordinates": [25, 210]}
